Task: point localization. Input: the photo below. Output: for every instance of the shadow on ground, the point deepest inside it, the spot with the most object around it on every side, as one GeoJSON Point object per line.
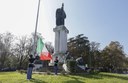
{"type": "Point", "coordinates": [75, 80]}
{"type": "Point", "coordinates": [37, 81]}
{"type": "Point", "coordinates": [114, 76]}
{"type": "Point", "coordinates": [99, 76]}
{"type": "Point", "coordinates": [90, 76]}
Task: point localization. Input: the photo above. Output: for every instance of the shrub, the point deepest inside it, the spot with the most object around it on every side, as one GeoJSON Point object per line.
{"type": "Point", "coordinates": [71, 64]}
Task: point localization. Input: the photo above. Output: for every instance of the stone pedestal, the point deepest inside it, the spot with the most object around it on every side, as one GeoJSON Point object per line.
{"type": "Point", "coordinates": [60, 42]}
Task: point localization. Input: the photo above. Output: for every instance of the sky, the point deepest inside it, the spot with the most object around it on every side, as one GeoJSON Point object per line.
{"type": "Point", "coordinates": [101, 21]}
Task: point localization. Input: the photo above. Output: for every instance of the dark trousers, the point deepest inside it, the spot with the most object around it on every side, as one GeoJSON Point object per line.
{"type": "Point", "coordinates": [56, 69]}
{"type": "Point", "coordinates": [29, 73]}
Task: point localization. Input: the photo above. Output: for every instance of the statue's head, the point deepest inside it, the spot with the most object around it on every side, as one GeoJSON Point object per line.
{"type": "Point", "coordinates": [62, 6]}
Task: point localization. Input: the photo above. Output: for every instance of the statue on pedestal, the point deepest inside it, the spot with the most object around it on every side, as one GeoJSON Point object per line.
{"type": "Point", "coordinates": [60, 35]}
{"type": "Point", "coordinates": [60, 16]}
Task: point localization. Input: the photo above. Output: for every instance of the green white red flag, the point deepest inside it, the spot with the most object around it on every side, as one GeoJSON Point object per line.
{"type": "Point", "coordinates": [42, 50]}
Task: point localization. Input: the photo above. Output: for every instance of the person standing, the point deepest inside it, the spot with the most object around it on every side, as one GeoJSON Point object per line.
{"type": "Point", "coordinates": [56, 65]}
{"type": "Point", "coordinates": [30, 67]}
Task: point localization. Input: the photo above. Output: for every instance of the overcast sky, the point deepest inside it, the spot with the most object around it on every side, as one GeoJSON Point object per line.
{"type": "Point", "coordinates": [101, 21]}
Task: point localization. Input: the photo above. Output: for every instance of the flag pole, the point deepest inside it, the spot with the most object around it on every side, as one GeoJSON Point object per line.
{"type": "Point", "coordinates": [35, 34]}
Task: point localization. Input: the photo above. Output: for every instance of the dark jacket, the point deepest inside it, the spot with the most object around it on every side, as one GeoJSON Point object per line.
{"type": "Point", "coordinates": [56, 63]}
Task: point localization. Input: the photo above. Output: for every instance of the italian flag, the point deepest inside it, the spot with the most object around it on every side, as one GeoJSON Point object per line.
{"type": "Point", "coordinates": [42, 50]}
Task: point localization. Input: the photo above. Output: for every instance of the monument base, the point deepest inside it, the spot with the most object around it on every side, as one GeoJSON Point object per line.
{"type": "Point", "coordinates": [60, 48]}
{"type": "Point", "coordinates": [60, 39]}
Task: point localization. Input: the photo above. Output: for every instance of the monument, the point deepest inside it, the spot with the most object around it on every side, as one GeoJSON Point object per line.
{"type": "Point", "coordinates": [61, 32]}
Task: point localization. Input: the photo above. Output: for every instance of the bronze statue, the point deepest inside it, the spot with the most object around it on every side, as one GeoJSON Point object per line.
{"type": "Point", "coordinates": [60, 16]}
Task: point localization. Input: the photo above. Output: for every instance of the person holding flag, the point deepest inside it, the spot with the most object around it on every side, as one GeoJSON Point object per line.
{"type": "Point", "coordinates": [30, 67]}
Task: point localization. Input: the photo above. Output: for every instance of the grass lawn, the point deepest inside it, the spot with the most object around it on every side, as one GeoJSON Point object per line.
{"type": "Point", "coordinates": [14, 77]}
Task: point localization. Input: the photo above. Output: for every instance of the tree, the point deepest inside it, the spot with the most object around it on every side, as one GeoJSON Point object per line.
{"type": "Point", "coordinates": [113, 56]}
{"type": "Point", "coordinates": [22, 49]}
{"type": "Point", "coordinates": [6, 40]}
{"type": "Point", "coordinates": [79, 46]}
{"type": "Point", "coordinates": [94, 54]}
